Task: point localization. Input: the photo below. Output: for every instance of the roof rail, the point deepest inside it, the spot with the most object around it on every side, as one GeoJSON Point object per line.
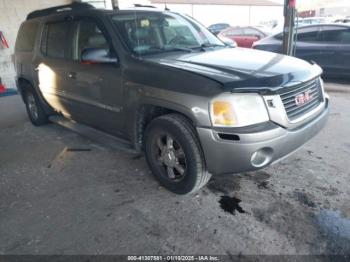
{"type": "Point", "coordinates": [62, 8]}
{"type": "Point", "coordinates": [149, 6]}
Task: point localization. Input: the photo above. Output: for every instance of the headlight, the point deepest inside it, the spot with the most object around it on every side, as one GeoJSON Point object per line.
{"type": "Point", "coordinates": [237, 110]}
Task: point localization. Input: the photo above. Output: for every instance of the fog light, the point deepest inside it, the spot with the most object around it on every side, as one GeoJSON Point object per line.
{"type": "Point", "coordinates": [262, 157]}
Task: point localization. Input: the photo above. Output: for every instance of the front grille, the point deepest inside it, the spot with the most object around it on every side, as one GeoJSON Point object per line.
{"type": "Point", "coordinates": [293, 110]}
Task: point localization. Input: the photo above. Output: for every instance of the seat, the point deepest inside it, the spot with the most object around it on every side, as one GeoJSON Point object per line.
{"type": "Point", "coordinates": [141, 38]}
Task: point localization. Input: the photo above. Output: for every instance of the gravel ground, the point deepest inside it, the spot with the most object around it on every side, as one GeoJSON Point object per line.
{"type": "Point", "coordinates": [63, 194]}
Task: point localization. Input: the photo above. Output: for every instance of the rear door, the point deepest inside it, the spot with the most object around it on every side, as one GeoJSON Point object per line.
{"type": "Point", "coordinates": [336, 49]}
{"type": "Point", "coordinates": [95, 87]}
{"type": "Point", "coordinates": [50, 64]}
{"type": "Point", "coordinates": [24, 50]}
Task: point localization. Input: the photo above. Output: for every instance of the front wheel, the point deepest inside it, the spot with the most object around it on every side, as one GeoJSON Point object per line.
{"type": "Point", "coordinates": [174, 154]}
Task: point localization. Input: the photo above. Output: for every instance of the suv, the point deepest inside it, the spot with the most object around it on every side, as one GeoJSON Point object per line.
{"type": "Point", "coordinates": [166, 86]}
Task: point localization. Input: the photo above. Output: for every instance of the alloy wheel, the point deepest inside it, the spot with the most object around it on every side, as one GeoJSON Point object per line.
{"type": "Point", "coordinates": [33, 109]}
{"type": "Point", "coordinates": [171, 157]}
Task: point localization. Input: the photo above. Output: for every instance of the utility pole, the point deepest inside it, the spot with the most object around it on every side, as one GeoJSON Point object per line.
{"type": "Point", "coordinates": [289, 24]}
{"type": "Point", "coordinates": [115, 4]}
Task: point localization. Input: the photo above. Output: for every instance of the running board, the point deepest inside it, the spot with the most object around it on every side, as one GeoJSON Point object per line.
{"type": "Point", "coordinates": [98, 136]}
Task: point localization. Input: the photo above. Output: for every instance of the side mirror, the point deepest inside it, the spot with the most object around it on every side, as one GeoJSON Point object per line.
{"type": "Point", "coordinates": [97, 56]}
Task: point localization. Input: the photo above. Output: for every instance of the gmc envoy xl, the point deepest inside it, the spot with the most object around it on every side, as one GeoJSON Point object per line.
{"type": "Point", "coordinates": [164, 85]}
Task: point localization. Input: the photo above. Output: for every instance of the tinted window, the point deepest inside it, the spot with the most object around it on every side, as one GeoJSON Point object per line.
{"type": "Point", "coordinates": [336, 35]}
{"type": "Point", "coordinates": [26, 36]}
{"type": "Point", "coordinates": [279, 36]}
{"type": "Point", "coordinates": [308, 34]}
{"type": "Point", "coordinates": [54, 37]}
{"type": "Point", "coordinates": [88, 35]}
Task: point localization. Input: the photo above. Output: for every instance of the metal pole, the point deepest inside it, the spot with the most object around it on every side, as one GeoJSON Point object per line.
{"type": "Point", "coordinates": [288, 30]}
{"type": "Point", "coordinates": [115, 4]}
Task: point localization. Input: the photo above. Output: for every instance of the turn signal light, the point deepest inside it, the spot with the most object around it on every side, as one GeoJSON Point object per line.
{"type": "Point", "coordinates": [223, 113]}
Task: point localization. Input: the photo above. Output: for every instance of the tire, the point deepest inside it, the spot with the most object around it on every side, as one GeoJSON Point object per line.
{"type": "Point", "coordinates": [34, 108]}
{"type": "Point", "coordinates": [174, 154]}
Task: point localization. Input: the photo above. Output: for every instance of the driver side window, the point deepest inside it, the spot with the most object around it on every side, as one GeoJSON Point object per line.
{"type": "Point", "coordinates": [88, 35]}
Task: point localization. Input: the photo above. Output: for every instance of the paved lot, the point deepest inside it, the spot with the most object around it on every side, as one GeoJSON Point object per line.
{"type": "Point", "coordinates": [63, 194]}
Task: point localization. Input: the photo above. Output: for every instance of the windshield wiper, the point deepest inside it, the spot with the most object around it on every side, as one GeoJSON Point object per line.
{"type": "Point", "coordinates": [184, 49]}
{"type": "Point", "coordinates": [207, 45]}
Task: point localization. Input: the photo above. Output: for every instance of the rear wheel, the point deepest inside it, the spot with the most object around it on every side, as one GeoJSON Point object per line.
{"type": "Point", "coordinates": [174, 154]}
{"type": "Point", "coordinates": [34, 109]}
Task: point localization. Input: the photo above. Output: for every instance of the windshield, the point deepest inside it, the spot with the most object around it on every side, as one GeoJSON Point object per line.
{"type": "Point", "coordinates": [154, 32]}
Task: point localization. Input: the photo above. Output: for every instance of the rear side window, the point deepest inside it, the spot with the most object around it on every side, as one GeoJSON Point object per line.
{"type": "Point", "coordinates": [310, 34]}
{"type": "Point", "coordinates": [54, 39]}
{"type": "Point", "coordinates": [26, 36]}
{"type": "Point", "coordinates": [336, 35]}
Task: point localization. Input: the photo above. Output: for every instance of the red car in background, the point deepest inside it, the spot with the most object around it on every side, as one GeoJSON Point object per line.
{"type": "Point", "coordinates": [244, 36]}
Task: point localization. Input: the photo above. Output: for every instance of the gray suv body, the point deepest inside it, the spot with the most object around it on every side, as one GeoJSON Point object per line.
{"type": "Point", "coordinates": [169, 88]}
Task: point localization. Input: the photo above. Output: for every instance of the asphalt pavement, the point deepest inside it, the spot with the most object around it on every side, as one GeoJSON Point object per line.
{"type": "Point", "coordinates": [61, 193]}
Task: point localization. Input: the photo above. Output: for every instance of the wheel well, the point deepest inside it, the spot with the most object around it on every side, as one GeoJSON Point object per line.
{"type": "Point", "coordinates": [23, 84]}
{"type": "Point", "coordinates": [145, 115]}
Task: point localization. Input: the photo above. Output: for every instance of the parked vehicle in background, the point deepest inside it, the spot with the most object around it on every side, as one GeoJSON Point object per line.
{"type": "Point", "coordinates": [229, 42]}
{"type": "Point", "coordinates": [193, 106]}
{"type": "Point", "coordinates": [343, 20]}
{"type": "Point", "coordinates": [265, 29]}
{"type": "Point", "coordinates": [312, 20]}
{"type": "Point", "coordinates": [217, 28]}
{"type": "Point", "coordinates": [326, 44]}
{"type": "Point", "coordinates": [243, 36]}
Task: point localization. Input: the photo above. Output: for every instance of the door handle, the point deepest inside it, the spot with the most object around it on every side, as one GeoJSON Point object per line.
{"type": "Point", "coordinates": [72, 75]}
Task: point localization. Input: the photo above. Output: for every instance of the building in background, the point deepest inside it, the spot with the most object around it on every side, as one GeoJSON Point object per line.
{"type": "Point", "coordinates": [13, 13]}
{"type": "Point", "coordinates": [329, 8]}
{"type": "Point", "coordinates": [104, 4]}
{"type": "Point", "coordinates": [233, 12]}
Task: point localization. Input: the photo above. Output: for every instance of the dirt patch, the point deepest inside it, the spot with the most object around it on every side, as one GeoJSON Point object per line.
{"type": "Point", "coordinates": [303, 198]}
{"type": "Point", "coordinates": [224, 184]}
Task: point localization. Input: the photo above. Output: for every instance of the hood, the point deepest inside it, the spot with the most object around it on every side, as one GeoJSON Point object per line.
{"type": "Point", "coordinates": [241, 68]}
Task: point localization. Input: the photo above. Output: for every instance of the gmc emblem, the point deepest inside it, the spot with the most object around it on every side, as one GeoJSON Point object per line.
{"type": "Point", "coordinates": [303, 98]}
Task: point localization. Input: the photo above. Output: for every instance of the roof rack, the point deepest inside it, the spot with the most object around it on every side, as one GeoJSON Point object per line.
{"type": "Point", "coordinates": [62, 8]}
{"type": "Point", "coordinates": [149, 6]}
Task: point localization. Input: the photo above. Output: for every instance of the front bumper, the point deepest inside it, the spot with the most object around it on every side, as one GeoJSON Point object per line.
{"type": "Point", "coordinates": [256, 148]}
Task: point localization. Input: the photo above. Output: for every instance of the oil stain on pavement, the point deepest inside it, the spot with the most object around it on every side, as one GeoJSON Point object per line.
{"type": "Point", "coordinates": [231, 205]}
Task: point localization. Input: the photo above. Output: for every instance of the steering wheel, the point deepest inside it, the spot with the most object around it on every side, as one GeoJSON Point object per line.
{"type": "Point", "coordinates": [179, 39]}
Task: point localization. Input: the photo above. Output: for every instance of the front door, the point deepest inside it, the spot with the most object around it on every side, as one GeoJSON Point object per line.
{"type": "Point", "coordinates": [95, 87]}
{"type": "Point", "coordinates": [308, 44]}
